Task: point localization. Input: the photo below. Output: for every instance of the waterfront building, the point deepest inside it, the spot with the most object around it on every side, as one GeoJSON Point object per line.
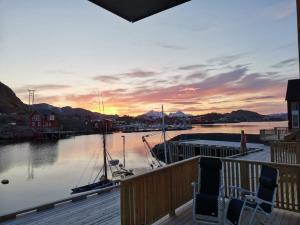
{"type": "Point", "coordinates": [293, 103]}
{"type": "Point", "coordinates": [43, 120]}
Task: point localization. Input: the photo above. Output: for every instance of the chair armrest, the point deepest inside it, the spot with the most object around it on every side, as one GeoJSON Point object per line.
{"type": "Point", "coordinates": [241, 190]}
{"type": "Point", "coordinates": [195, 184]}
{"type": "Point", "coordinates": [258, 200]}
{"type": "Point", "coordinates": [222, 191]}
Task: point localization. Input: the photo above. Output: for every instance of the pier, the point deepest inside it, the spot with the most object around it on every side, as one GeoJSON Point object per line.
{"type": "Point", "coordinates": [96, 207]}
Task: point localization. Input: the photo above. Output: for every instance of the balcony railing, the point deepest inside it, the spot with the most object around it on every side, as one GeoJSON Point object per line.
{"type": "Point", "coordinates": [285, 152]}
{"type": "Point", "coordinates": [276, 134]}
{"type": "Point", "coordinates": [147, 198]}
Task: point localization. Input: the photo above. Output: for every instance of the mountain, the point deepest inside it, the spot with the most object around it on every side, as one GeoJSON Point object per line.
{"type": "Point", "coordinates": [278, 116]}
{"type": "Point", "coordinates": [9, 102]}
{"type": "Point", "coordinates": [178, 114]}
{"type": "Point", "coordinates": [234, 116]}
{"type": "Point", "coordinates": [66, 111]}
{"type": "Point", "coordinates": [152, 114]}
{"type": "Point", "coordinates": [244, 116]}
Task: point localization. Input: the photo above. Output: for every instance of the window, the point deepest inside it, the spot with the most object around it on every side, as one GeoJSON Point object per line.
{"type": "Point", "coordinates": [36, 118]}
{"type": "Point", "coordinates": [52, 117]}
{"type": "Point", "coordinates": [295, 115]}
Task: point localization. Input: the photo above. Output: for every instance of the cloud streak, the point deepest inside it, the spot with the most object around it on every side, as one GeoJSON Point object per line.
{"type": "Point", "coordinates": [285, 63]}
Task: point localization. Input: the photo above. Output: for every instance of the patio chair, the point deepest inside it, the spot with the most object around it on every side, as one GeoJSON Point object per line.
{"type": "Point", "coordinates": [261, 202]}
{"type": "Point", "coordinates": [208, 193]}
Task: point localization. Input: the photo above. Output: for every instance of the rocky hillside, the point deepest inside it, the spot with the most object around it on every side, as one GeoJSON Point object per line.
{"type": "Point", "coordinates": [244, 115]}
{"type": "Point", "coordinates": [9, 102]}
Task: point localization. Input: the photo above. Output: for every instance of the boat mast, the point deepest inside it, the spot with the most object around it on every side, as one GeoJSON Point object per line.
{"type": "Point", "coordinates": [123, 150]}
{"type": "Point", "coordinates": [164, 133]}
{"type": "Point", "coordinates": [104, 128]}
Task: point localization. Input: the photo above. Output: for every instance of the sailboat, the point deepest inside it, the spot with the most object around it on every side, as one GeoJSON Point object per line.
{"type": "Point", "coordinates": [104, 181]}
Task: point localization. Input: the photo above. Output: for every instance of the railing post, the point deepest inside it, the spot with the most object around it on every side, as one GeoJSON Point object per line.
{"type": "Point", "coordinates": [298, 190]}
{"type": "Point", "coordinates": [272, 152]}
{"type": "Point", "coordinates": [172, 207]}
{"type": "Point", "coordinates": [244, 174]}
{"type": "Point", "coordinates": [298, 156]}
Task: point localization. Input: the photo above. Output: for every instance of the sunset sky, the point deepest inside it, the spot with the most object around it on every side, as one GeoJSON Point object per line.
{"type": "Point", "coordinates": [202, 56]}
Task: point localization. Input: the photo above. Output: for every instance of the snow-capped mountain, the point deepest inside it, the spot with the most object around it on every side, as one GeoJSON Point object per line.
{"type": "Point", "coordinates": [152, 114]}
{"type": "Point", "coordinates": [178, 114]}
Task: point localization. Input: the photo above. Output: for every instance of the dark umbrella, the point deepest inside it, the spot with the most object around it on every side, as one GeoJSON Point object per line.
{"type": "Point", "coordinates": [134, 10]}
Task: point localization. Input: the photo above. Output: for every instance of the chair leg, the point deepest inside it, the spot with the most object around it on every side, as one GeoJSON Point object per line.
{"type": "Point", "coordinates": [252, 216]}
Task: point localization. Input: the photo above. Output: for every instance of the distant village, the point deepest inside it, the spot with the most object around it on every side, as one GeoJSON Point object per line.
{"type": "Point", "coordinates": [19, 121]}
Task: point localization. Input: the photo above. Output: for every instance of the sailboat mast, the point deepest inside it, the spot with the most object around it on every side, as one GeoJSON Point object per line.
{"type": "Point", "coordinates": [164, 133]}
{"type": "Point", "coordinates": [104, 128]}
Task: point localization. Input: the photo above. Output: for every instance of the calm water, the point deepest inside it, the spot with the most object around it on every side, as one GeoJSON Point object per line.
{"type": "Point", "coordinates": [45, 172]}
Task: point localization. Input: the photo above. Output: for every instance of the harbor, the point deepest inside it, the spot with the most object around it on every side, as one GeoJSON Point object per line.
{"type": "Point", "coordinates": [42, 164]}
{"type": "Point", "coordinates": [160, 112]}
{"type": "Point", "coordinates": [110, 205]}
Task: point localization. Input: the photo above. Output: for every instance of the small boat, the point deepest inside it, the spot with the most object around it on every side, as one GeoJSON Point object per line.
{"type": "Point", "coordinates": [96, 185]}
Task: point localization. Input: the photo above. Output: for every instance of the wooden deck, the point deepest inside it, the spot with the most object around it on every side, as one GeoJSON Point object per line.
{"type": "Point", "coordinates": [184, 217]}
{"type": "Point", "coordinates": [98, 209]}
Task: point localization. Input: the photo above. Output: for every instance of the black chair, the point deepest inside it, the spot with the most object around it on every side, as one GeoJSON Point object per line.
{"type": "Point", "coordinates": [260, 202]}
{"type": "Point", "coordinates": [208, 194]}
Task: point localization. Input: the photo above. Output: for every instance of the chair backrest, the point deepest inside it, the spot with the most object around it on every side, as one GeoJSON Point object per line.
{"type": "Point", "coordinates": [210, 176]}
{"type": "Point", "coordinates": [267, 186]}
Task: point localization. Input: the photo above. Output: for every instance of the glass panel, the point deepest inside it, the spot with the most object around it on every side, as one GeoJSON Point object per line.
{"type": "Point", "coordinates": [295, 107]}
{"type": "Point", "coordinates": [295, 121]}
{"type": "Point", "coordinates": [295, 115]}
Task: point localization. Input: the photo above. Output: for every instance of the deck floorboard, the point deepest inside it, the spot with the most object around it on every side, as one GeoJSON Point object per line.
{"type": "Point", "coordinates": [184, 217]}
{"type": "Point", "coordinates": [98, 209]}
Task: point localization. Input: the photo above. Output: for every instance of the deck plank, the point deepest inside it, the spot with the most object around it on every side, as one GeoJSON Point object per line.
{"type": "Point", "coordinates": [99, 209]}
{"type": "Point", "coordinates": [184, 217]}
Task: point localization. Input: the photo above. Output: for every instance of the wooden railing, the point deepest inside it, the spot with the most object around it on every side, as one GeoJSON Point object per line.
{"type": "Point", "coordinates": [180, 151]}
{"type": "Point", "coordinates": [246, 174]}
{"type": "Point", "coordinates": [285, 152]}
{"type": "Point", "coordinates": [278, 133]}
{"type": "Point", "coordinates": [149, 197]}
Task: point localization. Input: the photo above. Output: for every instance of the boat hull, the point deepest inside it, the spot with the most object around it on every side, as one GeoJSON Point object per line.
{"type": "Point", "coordinates": [89, 187]}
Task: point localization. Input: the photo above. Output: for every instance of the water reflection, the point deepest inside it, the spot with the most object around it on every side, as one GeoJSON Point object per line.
{"type": "Point", "coordinates": [41, 154]}
{"type": "Point", "coordinates": [32, 155]}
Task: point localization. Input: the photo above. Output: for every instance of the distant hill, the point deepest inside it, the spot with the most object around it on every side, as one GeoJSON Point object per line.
{"type": "Point", "coordinates": [244, 115]}
{"type": "Point", "coordinates": [16, 112]}
{"type": "Point", "coordinates": [66, 111]}
{"type": "Point", "coordinates": [238, 116]}
{"type": "Point", "coordinates": [157, 115]}
{"type": "Point", "coordinates": [9, 102]}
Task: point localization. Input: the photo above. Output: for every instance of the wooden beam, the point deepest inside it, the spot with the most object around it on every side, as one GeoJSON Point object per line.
{"type": "Point", "coordinates": [298, 28]}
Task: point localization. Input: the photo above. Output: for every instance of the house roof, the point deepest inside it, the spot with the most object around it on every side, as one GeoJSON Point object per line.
{"type": "Point", "coordinates": [45, 112]}
{"type": "Point", "coordinates": [134, 10]}
{"type": "Point", "coordinates": [293, 90]}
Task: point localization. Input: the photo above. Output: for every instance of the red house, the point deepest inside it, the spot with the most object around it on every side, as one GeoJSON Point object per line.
{"type": "Point", "coordinates": [43, 120]}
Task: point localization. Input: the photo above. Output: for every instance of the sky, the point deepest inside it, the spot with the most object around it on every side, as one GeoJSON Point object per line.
{"type": "Point", "coordinates": [199, 57]}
